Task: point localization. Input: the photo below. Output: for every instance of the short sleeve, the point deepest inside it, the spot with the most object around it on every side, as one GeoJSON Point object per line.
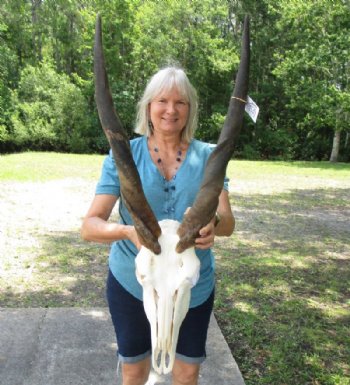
{"type": "Point", "coordinates": [109, 179]}
{"type": "Point", "coordinates": [226, 183]}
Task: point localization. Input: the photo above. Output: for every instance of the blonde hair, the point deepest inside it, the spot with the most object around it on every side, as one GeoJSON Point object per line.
{"type": "Point", "coordinates": [164, 80]}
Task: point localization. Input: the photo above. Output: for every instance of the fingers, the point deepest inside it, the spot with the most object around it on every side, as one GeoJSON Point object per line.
{"type": "Point", "coordinates": [206, 238]}
{"type": "Point", "coordinates": [133, 237]}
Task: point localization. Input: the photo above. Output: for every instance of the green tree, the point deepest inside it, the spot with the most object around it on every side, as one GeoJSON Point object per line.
{"type": "Point", "coordinates": [314, 69]}
{"type": "Point", "coordinates": [8, 77]}
{"type": "Point", "coordinates": [50, 112]}
{"type": "Point", "coordinates": [299, 73]}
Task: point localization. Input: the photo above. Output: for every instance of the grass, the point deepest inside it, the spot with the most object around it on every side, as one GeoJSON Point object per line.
{"type": "Point", "coordinates": [283, 295]}
{"type": "Point", "coordinates": [44, 166]}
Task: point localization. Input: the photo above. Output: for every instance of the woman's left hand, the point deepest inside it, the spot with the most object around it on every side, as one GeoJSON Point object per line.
{"type": "Point", "coordinates": [207, 235]}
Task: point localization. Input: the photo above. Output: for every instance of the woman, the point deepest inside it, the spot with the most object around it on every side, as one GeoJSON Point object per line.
{"type": "Point", "coordinates": [171, 166]}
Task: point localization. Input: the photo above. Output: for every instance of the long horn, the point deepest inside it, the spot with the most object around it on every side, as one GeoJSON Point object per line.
{"type": "Point", "coordinates": [145, 222]}
{"type": "Point", "coordinates": [207, 200]}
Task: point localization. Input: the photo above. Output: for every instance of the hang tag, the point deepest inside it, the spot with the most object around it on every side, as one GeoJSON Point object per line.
{"type": "Point", "coordinates": [252, 109]}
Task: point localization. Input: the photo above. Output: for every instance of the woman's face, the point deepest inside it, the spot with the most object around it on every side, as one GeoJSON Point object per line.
{"type": "Point", "coordinates": [169, 112]}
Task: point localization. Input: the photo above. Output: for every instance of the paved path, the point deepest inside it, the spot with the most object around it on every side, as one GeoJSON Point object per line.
{"type": "Point", "coordinates": [75, 346]}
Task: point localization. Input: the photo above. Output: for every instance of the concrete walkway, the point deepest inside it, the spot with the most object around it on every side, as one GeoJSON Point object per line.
{"type": "Point", "coordinates": [74, 346]}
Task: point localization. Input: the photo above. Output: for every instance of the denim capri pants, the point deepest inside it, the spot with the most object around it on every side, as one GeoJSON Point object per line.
{"type": "Point", "coordinates": [133, 329]}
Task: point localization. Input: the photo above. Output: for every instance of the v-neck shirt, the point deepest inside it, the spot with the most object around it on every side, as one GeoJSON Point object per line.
{"type": "Point", "coordinates": [168, 199]}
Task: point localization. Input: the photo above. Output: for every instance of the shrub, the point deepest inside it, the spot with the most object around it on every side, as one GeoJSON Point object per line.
{"type": "Point", "coordinates": [50, 112]}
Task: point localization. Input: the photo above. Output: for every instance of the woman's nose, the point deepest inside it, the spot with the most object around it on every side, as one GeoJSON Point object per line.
{"type": "Point", "coordinates": [171, 107]}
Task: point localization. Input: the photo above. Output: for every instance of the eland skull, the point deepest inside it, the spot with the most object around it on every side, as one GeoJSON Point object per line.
{"type": "Point", "coordinates": [167, 266]}
{"type": "Point", "coordinates": [167, 279]}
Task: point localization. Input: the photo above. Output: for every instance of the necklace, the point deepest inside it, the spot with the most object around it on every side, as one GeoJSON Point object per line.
{"type": "Point", "coordinates": [160, 161]}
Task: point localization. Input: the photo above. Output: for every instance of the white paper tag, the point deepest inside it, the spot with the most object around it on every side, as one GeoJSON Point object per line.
{"type": "Point", "coordinates": [252, 109]}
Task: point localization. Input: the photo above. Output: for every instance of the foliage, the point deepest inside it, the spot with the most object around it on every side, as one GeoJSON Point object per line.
{"type": "Point", "coordinates": [50, 112]}
{"type": "Point", "coordinates": [313, 65]}
{"type": "Point", "coordinates": [299, 69]}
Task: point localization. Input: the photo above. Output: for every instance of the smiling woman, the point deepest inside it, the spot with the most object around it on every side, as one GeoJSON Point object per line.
{"type": "Point", "coordinates": [171, 165]}
{"type": "Point", "coordinates": [168, 112]}
{"type": "Point", "coordinates": [156, 178]}
{"type": "Point", "coordinates": [163, 83]}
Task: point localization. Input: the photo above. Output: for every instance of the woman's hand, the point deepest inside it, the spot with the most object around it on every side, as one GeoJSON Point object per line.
{"type": "Point", "coordinates": [96, 227]}
{"type": "Point", "coordinates": [132, 236]}
{"type": "Point", "coordinates": [225, 226]}
{"type": "Point", "coordinates": [207, 235]}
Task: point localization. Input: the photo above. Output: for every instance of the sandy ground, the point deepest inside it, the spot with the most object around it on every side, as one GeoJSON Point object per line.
{"type": "Point", "coordinates": [39, 223]}
{"type": "Point", "coordinates": [31, 209]}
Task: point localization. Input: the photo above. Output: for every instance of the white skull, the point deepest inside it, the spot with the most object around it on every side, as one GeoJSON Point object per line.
{"type": "Point", "coordinates": [167, 280]}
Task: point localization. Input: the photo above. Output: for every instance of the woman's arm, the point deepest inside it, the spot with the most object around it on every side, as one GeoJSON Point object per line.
{"type": "Point", "coordinates": [224, 218]}
{"type": "Point", "coordinates": [222, 224]}
{"type": "Point", "coordinates": [96, 228]}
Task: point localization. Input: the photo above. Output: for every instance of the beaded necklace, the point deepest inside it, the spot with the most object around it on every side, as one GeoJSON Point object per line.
{"type": "Point", "coordinates": [160, 162]}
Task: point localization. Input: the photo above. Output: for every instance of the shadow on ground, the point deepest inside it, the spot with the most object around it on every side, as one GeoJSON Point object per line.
{"type": "Point", "coordinates": [65, 272]}
{"type": "Point", "coordinates": [283, 286]}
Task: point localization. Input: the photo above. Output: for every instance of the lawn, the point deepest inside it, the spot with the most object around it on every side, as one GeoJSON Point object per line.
{"type": "Point", "coordinates": [283, 295]}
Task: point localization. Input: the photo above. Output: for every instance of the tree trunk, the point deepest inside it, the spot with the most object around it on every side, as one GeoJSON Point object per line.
{"type": "Point", "coordinates": [36, 34]}
{"type": "Point", "coordinates": [335, 148]}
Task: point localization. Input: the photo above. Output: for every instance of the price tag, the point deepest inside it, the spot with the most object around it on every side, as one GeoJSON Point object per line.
{"type": "Point", "coordinates": [252, 109]}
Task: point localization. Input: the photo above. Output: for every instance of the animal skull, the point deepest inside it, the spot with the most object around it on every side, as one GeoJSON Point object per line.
{"type": "Point", "coordinates": [167, 279]}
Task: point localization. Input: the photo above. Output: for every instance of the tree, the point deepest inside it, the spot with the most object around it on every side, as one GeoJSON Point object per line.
{"type": "Point", "coordinates": [314, 69]}
{"type": "Point", "coordinates": [50, 112]}
{"type": "Point", "coordinates": [299, 73]}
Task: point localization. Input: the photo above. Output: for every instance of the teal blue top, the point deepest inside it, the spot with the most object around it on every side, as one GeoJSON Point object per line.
{"type": "Point", "coordinates": [168, 200]}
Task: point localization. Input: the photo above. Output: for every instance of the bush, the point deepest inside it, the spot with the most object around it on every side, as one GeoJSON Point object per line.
{"type": "Point", "coordinates": [31, 125]}
{"type": "Point", "coordinates": [276, 142]}
{"type": "Point", "coordinates": [249, 152]}
{"type": "Point", "coordinates": [49, 113]}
